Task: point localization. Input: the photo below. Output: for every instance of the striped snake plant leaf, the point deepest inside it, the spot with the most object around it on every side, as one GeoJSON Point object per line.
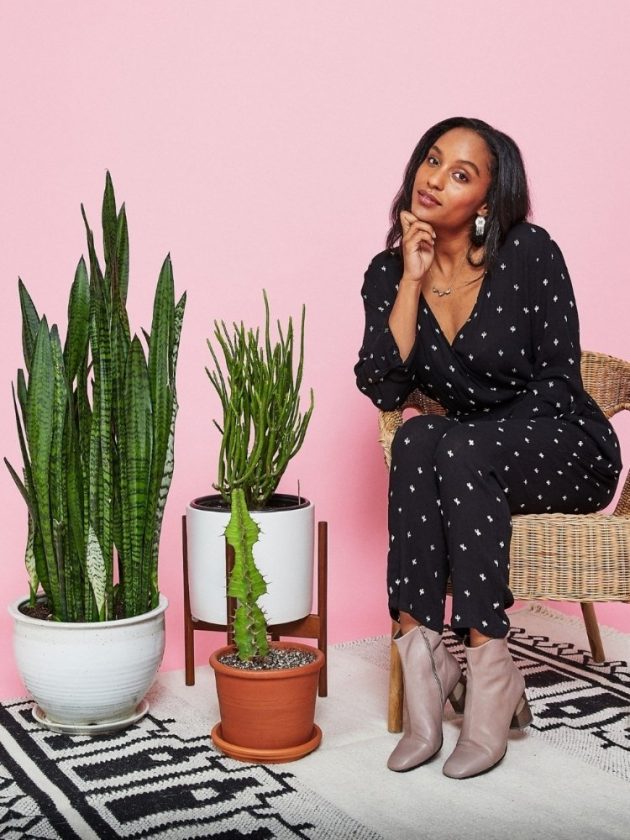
{"type": "Point", "coordinates": [137, 432]}
{"type": "Point", "coordinates": [76, 346]}
{"type": "Point", "coordinates": [109, 222]}
{"type": "Point", "coordinates": [65, 606]}
{"type": "Point", "coordinates": [59, 406]}
{"type": "Point", "coordinates": [97, 573]}
{"type": "Point", "coordinates": [122, 253]}
{"type": "Point", "coordinates": [30, 324]}
{"type": "Point", "coordinates": [57, 471]}
{"type": "Point", "coordinates": [29, 562]}
{"type": "Point", "coordinates": [21, 486]}
{"type": "Point", "coordinates": [100, 457]}
{"type": "Point", "coordinates": [27, 488]}
{"type": "Point", "coordinates": [120, 344]}
{"type": "Point", "coordinates": [39, 434]}
{"type": "Point", "coordinates": [162, 399]}
{"type": "Point", "coordinates": [74, 477]}
{"type": "Point", "coordinates": [84, 426]}
{"type": "Point", "coordinates": [22, 391]}
{"type": "Point", "coordinates": [97, 278]}
{"type": "Point", "coordinates": [41, 565]}
{"type": "Point", "coordinates": [169, 462]}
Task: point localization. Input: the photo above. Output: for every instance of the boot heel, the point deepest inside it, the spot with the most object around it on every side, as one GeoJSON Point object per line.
{"type": "Point", "coordinates": [458, 696]}
{"type": "Point", "coordinates": [522, 716]}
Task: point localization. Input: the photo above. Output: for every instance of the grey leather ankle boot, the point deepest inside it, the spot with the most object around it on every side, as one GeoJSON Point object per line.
{"type": "Point", "coordinates": [495, 703]}
{"type": "Point", "coordinates": [430, 675]}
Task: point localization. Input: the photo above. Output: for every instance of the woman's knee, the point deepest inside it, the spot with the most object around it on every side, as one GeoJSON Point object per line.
{"type": "Point", "coordinates": [461, 450]}
{"type": "Point", "coordinates": [418, 433]}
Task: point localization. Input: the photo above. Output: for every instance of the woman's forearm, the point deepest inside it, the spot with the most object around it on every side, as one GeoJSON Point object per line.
{"type": "Point", "coordinates": [403, 322]}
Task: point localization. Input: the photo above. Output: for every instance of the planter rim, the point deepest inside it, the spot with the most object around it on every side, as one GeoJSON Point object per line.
{"type": "Point", "coordinates": [97, 625]}
{"type": "Point", "coordinates": [270, 673]}
{"type": "Point", "coordinates": [299, 503]}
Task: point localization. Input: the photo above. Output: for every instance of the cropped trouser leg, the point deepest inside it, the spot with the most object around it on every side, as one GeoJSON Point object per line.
{"type": "Point", "coordinates": [417, 564]}
{"type": "Point", "coordinates": [453, 489]}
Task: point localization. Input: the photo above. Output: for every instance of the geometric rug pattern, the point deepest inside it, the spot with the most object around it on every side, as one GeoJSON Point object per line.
{"type": "Point", "coordinates": [577, 704]}
{"type": "Point", "coordinates": [156, 779]}
{"type": "Point", "coordinates": [162, 778]}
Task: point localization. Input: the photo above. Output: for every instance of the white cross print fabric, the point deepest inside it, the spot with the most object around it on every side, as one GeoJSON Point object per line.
{"type": "Point", "coordinates": [521, 434]}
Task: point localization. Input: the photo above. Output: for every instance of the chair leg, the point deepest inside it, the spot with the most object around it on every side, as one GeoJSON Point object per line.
{"type": "Point", "coordinates": [592, 631]}
{"type": "Point", "coordinates": [396, 688]}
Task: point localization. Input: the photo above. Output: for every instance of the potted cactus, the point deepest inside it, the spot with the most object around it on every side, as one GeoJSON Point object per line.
{"type": "Point", "coordinates": [266, 690]}
{"type": "Point", "coordinates": [272, 538]}
{"type": "Point", "coordinates": [95, 420]}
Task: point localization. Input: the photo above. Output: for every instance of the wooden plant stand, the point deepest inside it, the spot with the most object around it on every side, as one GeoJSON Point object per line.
{"type": "Point", "coordinates": [313, 626]}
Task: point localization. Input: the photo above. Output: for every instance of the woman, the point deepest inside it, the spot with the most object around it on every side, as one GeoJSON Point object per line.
{"type": "Point", "coordinates": [473, 305]}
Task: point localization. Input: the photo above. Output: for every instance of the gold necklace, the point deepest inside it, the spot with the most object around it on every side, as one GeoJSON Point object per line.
{"type": "Point", "coordinates": [453, 288]}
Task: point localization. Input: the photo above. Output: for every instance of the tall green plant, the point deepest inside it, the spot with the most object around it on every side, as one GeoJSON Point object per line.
{"type": "Point", "coordinates": [263, 427]}
{"type": "Point", "coordinates": [262, 430]}
{"type": "Point", "coordinates": [96, 424]}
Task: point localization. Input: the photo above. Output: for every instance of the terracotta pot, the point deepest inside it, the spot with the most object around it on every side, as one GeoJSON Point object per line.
{"type": "Point", "coordinates": [267, 716]}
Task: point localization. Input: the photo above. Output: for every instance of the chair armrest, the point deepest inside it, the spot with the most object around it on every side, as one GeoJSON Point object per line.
{"type": "Point", "coordinates": [388, 424]}
{"type": "Point", "coordinates": [623, 504]}
{"type": "Point", "coordinates": [390, 421]}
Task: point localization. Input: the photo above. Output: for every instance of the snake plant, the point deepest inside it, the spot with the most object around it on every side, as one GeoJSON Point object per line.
{"type": "Point", "coordinates": [96, 421]}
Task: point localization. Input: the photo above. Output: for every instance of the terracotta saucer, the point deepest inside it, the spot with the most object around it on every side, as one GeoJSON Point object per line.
{"type": "Point", "coordinates": [260, 756]}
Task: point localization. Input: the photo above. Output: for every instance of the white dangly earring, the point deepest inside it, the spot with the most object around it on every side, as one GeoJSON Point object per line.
{"type": "Point", "coordinates": [480, 226]}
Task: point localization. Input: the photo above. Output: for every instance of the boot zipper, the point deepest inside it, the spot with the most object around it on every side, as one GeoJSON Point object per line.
{"type": "Point", "coordinates": [433, 668]}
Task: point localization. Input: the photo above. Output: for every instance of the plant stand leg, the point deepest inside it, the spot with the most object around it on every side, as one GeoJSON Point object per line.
{"type": "Point", "coordinates": [191, 624]}
{"type": "Point", "coordinates": [315, 625]}
{"type": "Point", "coordinates": [189, 630]}
{"type": "Point", "coordinates": [322, 602]}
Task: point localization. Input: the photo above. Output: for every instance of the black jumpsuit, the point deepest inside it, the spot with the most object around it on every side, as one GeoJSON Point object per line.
{"type": "Point", "coordinates": [520, 436]}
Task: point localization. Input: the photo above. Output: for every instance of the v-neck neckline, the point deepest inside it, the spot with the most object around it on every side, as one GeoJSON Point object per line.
{"type": "Point", "coordinates": [469, 318]}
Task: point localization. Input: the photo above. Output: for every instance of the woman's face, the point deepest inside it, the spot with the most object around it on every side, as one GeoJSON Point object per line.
{"type": "Point", "coordinates": [452, 182]}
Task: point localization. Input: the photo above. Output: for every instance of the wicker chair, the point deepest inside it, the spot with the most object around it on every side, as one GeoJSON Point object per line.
{"type": "Point", "coordinates": [552, 555]}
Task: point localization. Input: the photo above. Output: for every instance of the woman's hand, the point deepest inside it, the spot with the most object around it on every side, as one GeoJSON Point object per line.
{"type": "Point", "coordinates": [417, 246]}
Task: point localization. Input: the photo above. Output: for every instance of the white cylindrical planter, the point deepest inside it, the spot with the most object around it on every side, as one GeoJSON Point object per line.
{"type": "Point", "coordinates": [283, 553]}
{"type": "Point", "coordinates": [89, 677]}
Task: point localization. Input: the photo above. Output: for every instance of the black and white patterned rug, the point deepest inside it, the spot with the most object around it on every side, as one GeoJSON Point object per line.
{"type": "Point", "coordinates": [162, 778]}
{"type": "Point", "coordinates": [157, 779]}
{"type": "Point", "coordinates": [577, 704]}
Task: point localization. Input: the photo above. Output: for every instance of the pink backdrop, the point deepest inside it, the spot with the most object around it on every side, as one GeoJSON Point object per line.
{"type": "Point", "coordinates": [261, 144]}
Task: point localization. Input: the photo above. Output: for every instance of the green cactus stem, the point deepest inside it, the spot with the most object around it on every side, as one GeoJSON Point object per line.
{"type": "Point", "coordinates": [246, 584]}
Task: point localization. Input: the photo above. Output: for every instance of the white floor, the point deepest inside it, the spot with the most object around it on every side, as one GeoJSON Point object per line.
{"type": "Point", "coordinates": [538, 790]}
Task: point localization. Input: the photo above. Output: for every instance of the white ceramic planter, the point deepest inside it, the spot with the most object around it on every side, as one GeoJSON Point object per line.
{"type": "Point", "coordinates": [89, 677]}
{"type": "Point", "coordinates": [283, 553]}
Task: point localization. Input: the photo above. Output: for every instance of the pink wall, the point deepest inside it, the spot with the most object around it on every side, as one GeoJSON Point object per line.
{"type": "Point", "coordinates": [261, 143]}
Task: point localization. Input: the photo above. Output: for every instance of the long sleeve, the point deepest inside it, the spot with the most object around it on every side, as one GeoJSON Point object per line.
{"type": "Point", "coordinates": [380, 372]}
{"type": "Point", "coordinates": [557, 379]}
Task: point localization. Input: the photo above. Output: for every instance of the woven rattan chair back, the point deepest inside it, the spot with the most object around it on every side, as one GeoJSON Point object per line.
{"type": "Point", "coordinates": [555, 556]}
